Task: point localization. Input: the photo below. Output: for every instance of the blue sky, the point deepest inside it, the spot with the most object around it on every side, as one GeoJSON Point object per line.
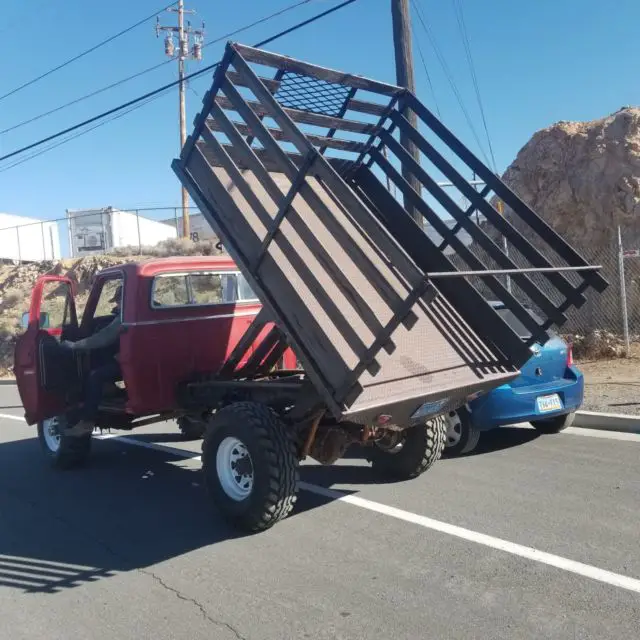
{"type": "Point", "coordinates": [537, 63]}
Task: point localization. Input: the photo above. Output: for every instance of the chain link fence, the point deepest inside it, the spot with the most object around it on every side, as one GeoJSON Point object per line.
{"type": "Point", "coordinates": [617, 309]}
{"type": "Point", "coordinates": [94, 232]}
{"type": "Point", "coordinates": [614, 313]}
{"type": "Point", "coordinates": [604, 331]}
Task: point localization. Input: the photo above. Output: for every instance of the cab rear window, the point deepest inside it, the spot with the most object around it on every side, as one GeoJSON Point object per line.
{"type": "Point", "coordinates": [199, 289]}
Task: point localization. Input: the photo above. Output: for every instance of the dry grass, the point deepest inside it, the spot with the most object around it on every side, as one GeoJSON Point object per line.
{"type": "Point", "coordinates": [173, 247]}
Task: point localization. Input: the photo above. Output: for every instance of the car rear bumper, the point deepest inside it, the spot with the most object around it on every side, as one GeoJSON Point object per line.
{"type": "Point", "coordinates": [509, 405]}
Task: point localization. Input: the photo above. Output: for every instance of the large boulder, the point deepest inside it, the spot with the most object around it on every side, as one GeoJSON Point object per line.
{"type": "Point", "coordinates": [584, 177]}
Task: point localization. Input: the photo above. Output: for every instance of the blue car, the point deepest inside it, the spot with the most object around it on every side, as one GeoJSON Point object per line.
{"type": "Point", "coordinates": [547, 394]}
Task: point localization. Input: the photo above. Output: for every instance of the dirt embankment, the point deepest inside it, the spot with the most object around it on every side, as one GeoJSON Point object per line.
{"type": "Point", "coordinates": [16, 284]}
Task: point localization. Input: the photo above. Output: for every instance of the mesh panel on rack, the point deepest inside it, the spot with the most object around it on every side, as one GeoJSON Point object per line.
{"type": "Point", "coordinates": [310, 94]}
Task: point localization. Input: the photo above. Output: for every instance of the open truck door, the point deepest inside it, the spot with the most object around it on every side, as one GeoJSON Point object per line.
{"type": "Point", "coordinates": [42, 370]}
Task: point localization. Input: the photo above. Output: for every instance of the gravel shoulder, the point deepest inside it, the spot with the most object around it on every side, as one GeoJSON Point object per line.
{"type": "Point", "coordinates": [612, 386]}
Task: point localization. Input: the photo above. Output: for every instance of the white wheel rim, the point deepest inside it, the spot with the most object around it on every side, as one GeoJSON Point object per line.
{"type": "Point", "coordinates": [51, 433]}
{"type": "Point", "coordinates": [454, 429]}
{"type": "Point", "coordinates": [234, 468]}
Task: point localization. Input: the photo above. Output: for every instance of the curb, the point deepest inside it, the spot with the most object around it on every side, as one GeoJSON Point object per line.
{"type": "Point", "coordinates": [607, 421]}
{"type": "Point", "coordinates": [7, 381]}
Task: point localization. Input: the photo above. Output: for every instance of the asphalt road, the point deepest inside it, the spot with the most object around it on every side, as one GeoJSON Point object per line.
{"type": "Point", "coordinates": [532, 537]}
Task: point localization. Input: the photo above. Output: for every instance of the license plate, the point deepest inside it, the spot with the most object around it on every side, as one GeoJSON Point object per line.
{"type": "Point", "coordinates": [549, 403]}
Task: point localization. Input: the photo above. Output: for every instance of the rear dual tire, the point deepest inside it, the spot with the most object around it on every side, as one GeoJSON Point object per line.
{"type": "Point", "coordinates": [414, 452]}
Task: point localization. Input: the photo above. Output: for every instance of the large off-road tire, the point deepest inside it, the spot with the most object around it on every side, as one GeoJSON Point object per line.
{"type": "Point", "coordinates": [192, 427]}
{"type": "Point", "coordinates": [461, 436]}
{"type": "Point", "coordinates": [554, 425]}
{"type": "Point", "coordinates": [62, 451]}
{"type": "Point", "coordinates": [416, 449]}
{"type": "Point", "coordinates": [250, 465]}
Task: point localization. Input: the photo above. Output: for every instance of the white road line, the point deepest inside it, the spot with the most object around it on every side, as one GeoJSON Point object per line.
{"type": "Point", "coordinates": [184, 453]}
{"type": "Point", "coordinates": [550, 559]}
{"type": "Point", "coordinates": [529, 553]}
{"type": "Point", "coordinates": [8, 416]}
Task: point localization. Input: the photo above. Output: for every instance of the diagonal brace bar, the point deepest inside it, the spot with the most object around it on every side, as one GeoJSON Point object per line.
{"type": "Point", "coordinates": [244, 344]}
{"type": "Point", "coordinates": [467, 214]}
{"type": "Point", "coordinates": [424, 290]}
{"type": "Point", "coordinates": [286, 205]}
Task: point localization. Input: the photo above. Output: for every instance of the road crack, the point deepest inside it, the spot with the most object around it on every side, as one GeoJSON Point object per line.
{"type": "Point", "coordinates": [193, 601]}
{"type": "Point", "coordinates": [90, 535]}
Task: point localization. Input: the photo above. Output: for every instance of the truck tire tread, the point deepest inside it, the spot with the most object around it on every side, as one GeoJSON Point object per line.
{"type": "Point", "coordinates": [73, 451]}
{"type": "Point", "coordinates": [422, 447]}
{"type": "Point", "coordinates": [272, 449]}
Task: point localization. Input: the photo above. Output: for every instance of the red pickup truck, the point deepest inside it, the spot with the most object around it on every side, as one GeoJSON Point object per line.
{"type": "Point", "coordinates": [181, 317]}
{"type": "Point", "coordinates": [292, 172]}
{"type": "Point", "coordinates": [182, 321]}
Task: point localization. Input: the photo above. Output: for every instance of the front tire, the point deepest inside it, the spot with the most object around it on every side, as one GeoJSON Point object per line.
{"type": "Point", "coordinates": [62, 451]}
{"type": "Point", "coordinates": [462, 437]}
{"type": "Point", "coordinates": [554, 425]}
{"type": "Point", "coordinates": [250, 465]}
{"type": "Point", "coordinates": [416, 450]}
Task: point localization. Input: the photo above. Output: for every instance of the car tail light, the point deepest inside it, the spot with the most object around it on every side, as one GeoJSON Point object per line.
{"type": "Point", "coordinates": [570, 355]}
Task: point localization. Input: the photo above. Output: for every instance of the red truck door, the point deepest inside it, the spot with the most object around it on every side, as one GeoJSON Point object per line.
{"type": "Point", "coordinates": [52, 310]}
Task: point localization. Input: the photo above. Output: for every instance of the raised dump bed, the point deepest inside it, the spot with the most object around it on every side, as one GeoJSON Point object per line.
{"type": "Point", "coordinates": [293, 172]}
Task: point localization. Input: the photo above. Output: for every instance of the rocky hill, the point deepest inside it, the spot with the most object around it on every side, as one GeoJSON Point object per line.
{"type": "Point", "coordinates": [584, 177]}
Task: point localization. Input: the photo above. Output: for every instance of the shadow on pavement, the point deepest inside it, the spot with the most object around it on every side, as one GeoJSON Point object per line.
{"type": "Point", "coordinates": [499, 440]}
{"type": "Point", "coordinates": [131, 508]}
{"type": "Point", "coordinates": [128, 509]}
{"type": "Point", "coordinates": [159, 438]}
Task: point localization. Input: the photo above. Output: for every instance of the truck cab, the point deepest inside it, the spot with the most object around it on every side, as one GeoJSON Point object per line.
{"type": "Point", "coordinates": [181, 318]}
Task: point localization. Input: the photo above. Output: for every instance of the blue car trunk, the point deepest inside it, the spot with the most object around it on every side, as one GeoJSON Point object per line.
{"type": "Point", "coordinates": [548, 362]}
{"type": "Point", "coordinates": [548, 385]}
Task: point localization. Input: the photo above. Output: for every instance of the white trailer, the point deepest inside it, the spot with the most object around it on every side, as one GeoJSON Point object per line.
{"type": "Point", "coordinates": [24, 239]}
{"type": "Point", "coordinates": [94, 231]}
{"type": "Point", "coordinates": [200, 229]}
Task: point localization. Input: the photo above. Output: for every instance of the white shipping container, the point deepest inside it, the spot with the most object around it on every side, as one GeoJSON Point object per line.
{"type": "Point", "coordinates": [25, 239]}
{"type": "Point", "coordinates": [94, 231]}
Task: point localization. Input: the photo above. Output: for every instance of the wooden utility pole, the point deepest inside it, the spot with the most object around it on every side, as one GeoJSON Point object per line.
{"type": "Point", "coordinates": [186, 226]}
{"type": "Point", "coordinates": [405, 78]}
{"type": "Point", "coordinates": [184, 51]}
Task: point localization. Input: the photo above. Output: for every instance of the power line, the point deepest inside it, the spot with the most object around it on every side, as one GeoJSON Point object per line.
{"type": "Point", "coordinates": [278, 13]}
{"type": "Point", "coordinates": [166, 87]}
{"type": "Point", "coordinates": [83, 54]}
{"type": "Point", "coordinates": [235, 32]}
{"type": "Point", "coordinates": [428, 75]}
{"type": "Point", "coordinates": [77, 135]}
{"type": "Point", "coordinates": [449, 76]}
{"type": "Point", "coordinates": [85, 97]}
{"type": "Point", "coordinates": [462, 26]}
